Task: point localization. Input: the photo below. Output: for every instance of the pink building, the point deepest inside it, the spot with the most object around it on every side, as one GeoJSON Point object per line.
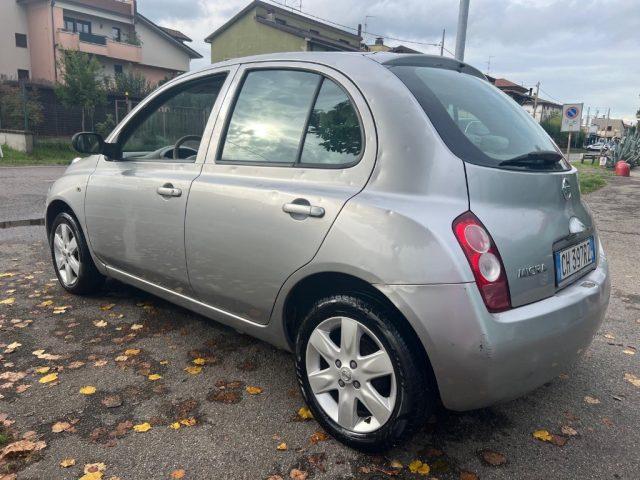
{"type": "Point", "coordinates": [32, 32]}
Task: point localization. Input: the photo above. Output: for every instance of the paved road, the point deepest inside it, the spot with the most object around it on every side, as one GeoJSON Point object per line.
{"type": "Point", "coordinates": [236, 434]}
{"type": "Point", "coordinates": [23, 191]}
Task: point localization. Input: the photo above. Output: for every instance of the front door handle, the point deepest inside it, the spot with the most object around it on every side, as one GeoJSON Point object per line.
{"type": "Point", "coordinates": [303, 210]}
{"type": "Point", "coordinates": [168, 190]}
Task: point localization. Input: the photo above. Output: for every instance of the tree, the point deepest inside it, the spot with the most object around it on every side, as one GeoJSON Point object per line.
{"type": "Point", "coordinates": [80, 82]}
{"type": "Point", "coordinates": [133, 84]}
{"type": "Point", "coordinates": [552, 126]}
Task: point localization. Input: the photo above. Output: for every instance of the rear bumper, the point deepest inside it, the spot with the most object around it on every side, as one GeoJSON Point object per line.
{"type": "Point", "coordinates": [481, 358]}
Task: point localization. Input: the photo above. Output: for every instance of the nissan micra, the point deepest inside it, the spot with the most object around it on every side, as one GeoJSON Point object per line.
{"type": "Point", "coordinates": [401, 225]}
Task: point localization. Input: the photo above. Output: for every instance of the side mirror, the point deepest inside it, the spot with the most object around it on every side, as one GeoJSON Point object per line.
{"type": "Point", "coordinates": [87, 142]}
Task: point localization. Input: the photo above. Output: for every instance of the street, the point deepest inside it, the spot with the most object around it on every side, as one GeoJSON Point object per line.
{"type": "Point", "coordinates": [134, 349]}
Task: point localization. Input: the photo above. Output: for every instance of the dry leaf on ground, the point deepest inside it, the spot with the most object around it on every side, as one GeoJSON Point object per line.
{"type": "Point", "coordinates": [632, 379]}
{"type": "Point", "coordinates": [297, 474]}
{"type": "Point", "coordinates": [591, 400]}
{"type": "Point", "coordinates": [88, 390]}
{"type": "Point", "coordinates": [419, 467]}
{"type": "Point", "coordinates": [142, 427]}
{"type": "Point", "coordinates": [493, 458]}
{"type": "Point", "coordinates": [251, 390]}
{"type": "Point", "coordinates": [154, 376]}
{"type": "Point", "coordinates": [542, 435]}
{"type": "Point", "coordinates": [193, 369]}
{"type": "Point", "coordinates": [52, 377]}
{"type": "Point", "coordinates": [282, 446]}
{"type": "Point", "coordinates": [304, 413]}
{"type": "Point", "coordinates": [178, 474]}
{"type": "Point", "coordinates": [68, 462]}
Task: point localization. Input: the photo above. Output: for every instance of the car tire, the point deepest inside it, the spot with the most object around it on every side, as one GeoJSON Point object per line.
{"type": "Point", "coordinates": [410, 383]}
{"type": "Point", "coordinates": [72, 262]}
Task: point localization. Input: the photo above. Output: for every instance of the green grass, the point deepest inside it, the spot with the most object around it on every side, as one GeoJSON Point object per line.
{"type": "Point", "coordinates": [591, 177]}
{"type": "Point", "coordinates": [49, 153]}
{"type": "Point", "coordinates": [4, 439]}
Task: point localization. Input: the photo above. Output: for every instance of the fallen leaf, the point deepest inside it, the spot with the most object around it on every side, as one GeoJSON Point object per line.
{"type": "Point", "coordinates": [199, 361]}
{"type": "Point", "coordinates": [68, 462]}
{"type": "Point", "coordinates": [253, 390]}
{"type": "Point", "coordinates": [558, 440]}
{"type": "Point", "coordinates": [193, 369]}
{"type": "Point", "coordinates": [591, 400]}
{"type": "Point", "coordinates": [142, 427]}
{"type": "Point", "coordinates": [7, 301]}
{"type": "Point", "coordinates": [178, 474]}
{"type": "Point", "coordinates": [468, 476]}
{"type": "Point", "coordinates": [320, 436]}
{"type": "Point", "coordinates": [542, 435]}
{"type": "Point", "coordinates": [60, 427]}
{"type": "Point", "coordinates": [42, 370]}
{"type": "Point", "coordinates": [122, 358]}
{"type": "Point", "coordinates": [304, 413]}
{"type": "Point", "coordinates": [92, 476]}
{"type": "Point", "coordinates": [188, 422]}
{"type": "Point", "coordinates": [107, 306]}
{"type": "Point", "coordinates": [609, 336]}
{"type": "Point", "coordinates": [12, 376]}
{"type": "Point", "coordinates": [75, 365]}
{"type": "Point", "coordinates": [567, 430]}
{"type": "Point", "coordinates": [100, 323]}
{"type": "Point", "coordinates": [632, 379]}
{"type": "Point", "coordinates": [12, 347]}
{"type": "Point", "coordinates": [136, 326]}
{"type": "Point", "coordinates": [629, 351]}
{"type": "Point", "coordinates": [132, 352]}
{"type": "Point", "coordinates": [281, 446]}
{"type": "Point", "coordinates": [45, 303]}
{"type": "Point", "coordinates": [111, 401]}
{"type": "Point", "coordinates": [297, 474]}
{"type": "Point", "coordinates": [88, 390]}
{"type": "Point", "coordinates": [7, 274]}
{"type": "Point", "coordinates": [396, 464]}
{"type": "Point", "coordinates": [100, 363]}
{"type": "Point", "coordinates": [21, 447]}
{"type": "Point", "coordinates": [175, 425]}
{"type": "Point", "coordinates": [22, 388]}
{"type": "Point", "coordinates": [493, 458]}
{"type": "Point", "coordinates": [275, 477]}
{"type": "Point", "coordinates": [154, 376]}
{"type": "Point", "coordinates": [94, 467]}
{"type": "Point", "coordinates": [419, 467]}
{"type": "Point", "coordinates": [49, 378]}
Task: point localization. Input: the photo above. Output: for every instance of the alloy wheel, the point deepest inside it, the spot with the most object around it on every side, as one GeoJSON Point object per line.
{"type": "Point", "coordinates": [351, 374]}
{"type": "Point", "coordinates": [66, 253]}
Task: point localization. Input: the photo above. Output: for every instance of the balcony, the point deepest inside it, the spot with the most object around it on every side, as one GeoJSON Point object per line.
{"type": "Point", "coordinates": [98, 45]}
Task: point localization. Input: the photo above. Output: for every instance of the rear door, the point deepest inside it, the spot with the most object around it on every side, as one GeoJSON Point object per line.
{"type": "Point", "coordinates": [297, 143]}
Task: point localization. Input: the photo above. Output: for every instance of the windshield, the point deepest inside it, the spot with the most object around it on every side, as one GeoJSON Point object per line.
{"type": "Point", "coordinates": [478, 122]}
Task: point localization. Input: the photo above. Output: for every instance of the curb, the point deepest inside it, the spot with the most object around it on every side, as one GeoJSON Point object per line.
{"type": "Point", "coordinates": [21, 223]}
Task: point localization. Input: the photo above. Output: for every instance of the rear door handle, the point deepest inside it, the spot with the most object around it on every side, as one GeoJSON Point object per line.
{"type": "Point", "coordinates": [300, 209]}
{"type": "Point", "coordinates": [168, 190]}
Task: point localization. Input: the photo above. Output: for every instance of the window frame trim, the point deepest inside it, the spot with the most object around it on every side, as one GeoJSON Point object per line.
{"type": "Point", "coordinates": [217, 159]}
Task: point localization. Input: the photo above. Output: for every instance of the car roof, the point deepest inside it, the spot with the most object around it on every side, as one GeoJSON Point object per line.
{"type": "Point", "coordinates": [334, 58]}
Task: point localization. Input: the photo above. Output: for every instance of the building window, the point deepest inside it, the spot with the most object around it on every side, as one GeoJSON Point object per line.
{"type": "Point", "coordinates": [280, 21]}
{"type": "Point", "coordinates": [23, 74]}
{"type": "Point", "coordinates": [78, 26]}
{"type": "Point", "coordinates": [117, 69]}
{"type": "Point", "coordinates": [115, 34]}
{"type": "Point", "coordinates": [21, 40]}
{"type": "Point", "coordinates": [315, 32]}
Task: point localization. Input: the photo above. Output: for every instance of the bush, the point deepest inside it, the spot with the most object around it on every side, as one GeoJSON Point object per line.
{"type": "Point", "coordinates": [12, 107]}
{"type": "Point", "coordinates": [552, 126]}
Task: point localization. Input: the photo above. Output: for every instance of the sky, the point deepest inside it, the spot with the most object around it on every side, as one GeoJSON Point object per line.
{"type": "Point", "coordinates": [579, 50]}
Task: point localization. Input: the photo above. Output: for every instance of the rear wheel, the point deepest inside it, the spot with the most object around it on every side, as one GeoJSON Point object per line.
{"type": "Point", "coordinates": [72, 261]}
{"type": "Point", "coordinates": [360, 374]}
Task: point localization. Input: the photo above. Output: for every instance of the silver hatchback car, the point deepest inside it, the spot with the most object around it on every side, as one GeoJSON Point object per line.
{"type": "Point", "coordinates": [400, 224]}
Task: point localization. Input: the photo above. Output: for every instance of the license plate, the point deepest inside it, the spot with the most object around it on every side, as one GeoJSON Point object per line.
{"type": "Point", "coordinates": [573, 259]}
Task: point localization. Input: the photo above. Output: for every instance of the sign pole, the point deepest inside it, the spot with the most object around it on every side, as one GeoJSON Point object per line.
{"type": "Point", "coordinates": [569, 147]}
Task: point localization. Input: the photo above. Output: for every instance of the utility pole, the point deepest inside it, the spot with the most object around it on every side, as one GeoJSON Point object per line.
{"type": "Point", "coordinates": [535, 101]}
{"type": "Point", "coordinates": [461, 33]}
{"type": "Point", "coordinates": [442, 44]}
{"type": "Point", "coordinates": [587, 127]}
{"type": "Point", "coordinates": [489, 63]}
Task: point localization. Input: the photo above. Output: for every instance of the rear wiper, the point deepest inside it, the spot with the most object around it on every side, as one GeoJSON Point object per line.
{"type": "Point", "coordinates": [542, 158]}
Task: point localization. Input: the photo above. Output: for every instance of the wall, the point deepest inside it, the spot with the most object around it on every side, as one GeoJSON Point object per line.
{"type": "Point", "coordinates": [248, 37]}
{"type": "Point", "coordinates": [21, 141]}
{"type": "Point", "coordinates": [13, 20]}
{"type": "Point", "coordinates": [39, 18]}
{"type": "Point", "coordinates": [154, 74]}
{"type": "Point", "coordinates": [160, 51]}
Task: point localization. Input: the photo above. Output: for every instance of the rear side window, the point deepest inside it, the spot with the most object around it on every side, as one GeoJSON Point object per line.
{"type": "Point", "coordinates": [292, 117]}
{"type": "Point", "coordinates": [478, 123]}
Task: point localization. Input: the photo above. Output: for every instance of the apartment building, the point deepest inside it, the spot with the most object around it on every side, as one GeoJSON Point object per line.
{"type": "Point", "coordinates": [262, 27]}
{"type": "Point", "coordinates": [33, 32]}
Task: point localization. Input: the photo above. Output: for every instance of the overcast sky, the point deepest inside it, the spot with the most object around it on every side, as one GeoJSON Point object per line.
{"type": "Point", "coordinates": [580, 50]}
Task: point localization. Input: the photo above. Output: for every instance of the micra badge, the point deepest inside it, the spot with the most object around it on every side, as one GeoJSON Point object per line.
{"type": "Point", "coordinates": [532, 270]}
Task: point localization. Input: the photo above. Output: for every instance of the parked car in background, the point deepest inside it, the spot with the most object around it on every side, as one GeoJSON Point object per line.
{"type": "Point", "coordinates": [401, 225]}
{"type": "Point", "coordinates": [597, 146]}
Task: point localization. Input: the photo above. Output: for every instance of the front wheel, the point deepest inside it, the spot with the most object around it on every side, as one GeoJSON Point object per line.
{"type": "Point", "coordinates": [72, 261]}
{"type": "Point", "coordinates": [360, 373]}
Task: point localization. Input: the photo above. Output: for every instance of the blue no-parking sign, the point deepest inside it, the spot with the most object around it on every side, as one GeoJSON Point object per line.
{"type": "Point", "coordinates": [571, 117]}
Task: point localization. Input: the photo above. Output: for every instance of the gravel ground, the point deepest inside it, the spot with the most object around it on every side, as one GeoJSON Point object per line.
{"type": "Point", "coordinates": [236, 434]}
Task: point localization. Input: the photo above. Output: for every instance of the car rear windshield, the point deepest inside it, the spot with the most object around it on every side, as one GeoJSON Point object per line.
{"type": "Point", "coordinates": [478, 122]}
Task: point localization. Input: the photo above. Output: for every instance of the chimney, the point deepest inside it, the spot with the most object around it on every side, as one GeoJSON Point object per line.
{"type": "Point", "coordinates": [379, 41]}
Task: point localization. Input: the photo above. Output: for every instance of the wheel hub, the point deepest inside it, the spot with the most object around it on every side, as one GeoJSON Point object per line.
{"type": "Point", "coordinates": [346, 374]}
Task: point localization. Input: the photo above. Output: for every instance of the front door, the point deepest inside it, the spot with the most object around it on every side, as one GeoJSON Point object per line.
{"type": "Point", "coordinates": [135, 204]}
{"type": "Point", "coordinates": [296, 145]}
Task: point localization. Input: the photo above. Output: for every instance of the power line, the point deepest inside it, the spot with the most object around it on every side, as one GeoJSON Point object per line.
{"type": "Point", "coordinates": [355, 29]}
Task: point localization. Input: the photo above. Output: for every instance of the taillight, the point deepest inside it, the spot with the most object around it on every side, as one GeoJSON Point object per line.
{"type": "Point", "coordinates": [485, 261]}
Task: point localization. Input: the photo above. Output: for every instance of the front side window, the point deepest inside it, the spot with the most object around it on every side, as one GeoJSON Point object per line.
{"type": "Point", "coordinates": [83, 27]}
{"type": "Point", "coordinates": [478, 123]}
{"type": "Point", "coordinates": [69, 24]}
{"type": "Point", "coordinates": [292, 117]}
{"type": "Point", "coordinates": [172, 124]}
